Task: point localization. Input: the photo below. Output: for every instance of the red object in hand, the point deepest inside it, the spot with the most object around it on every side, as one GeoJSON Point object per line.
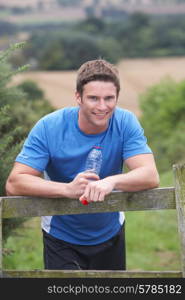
{"type": "Point", "coordinates": [84, 201]}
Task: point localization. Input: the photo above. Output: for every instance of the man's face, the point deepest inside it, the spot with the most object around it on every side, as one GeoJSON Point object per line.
{"type": "Point", "coordinates": [97, 104]}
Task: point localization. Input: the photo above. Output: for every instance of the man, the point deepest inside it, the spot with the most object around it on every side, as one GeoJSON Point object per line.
{"type": "Point", "coordinates": [58, 146]}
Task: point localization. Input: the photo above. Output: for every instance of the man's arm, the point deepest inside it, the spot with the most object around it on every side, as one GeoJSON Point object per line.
{"type": "Point", "coordinates": [27, 181]}
{"type": "Point", "coordinates": [142, 175]}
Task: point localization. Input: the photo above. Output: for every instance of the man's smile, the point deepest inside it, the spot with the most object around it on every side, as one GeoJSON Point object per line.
{"type": "Point", "coordinates": [100, 115]}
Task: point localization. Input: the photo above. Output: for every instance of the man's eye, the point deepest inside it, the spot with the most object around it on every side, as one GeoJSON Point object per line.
{"type": "Point", "coordinates": [109, 99]}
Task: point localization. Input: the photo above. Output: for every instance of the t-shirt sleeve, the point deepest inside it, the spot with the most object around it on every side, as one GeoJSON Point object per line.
{"type": "Point", "coordinates": [134, 140]}
{"type": "Point", "coordinates": [35, 152]}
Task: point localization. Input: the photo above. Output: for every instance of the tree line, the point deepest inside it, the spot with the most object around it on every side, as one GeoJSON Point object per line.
{"type": "Point", "coordinates": [65, 46]}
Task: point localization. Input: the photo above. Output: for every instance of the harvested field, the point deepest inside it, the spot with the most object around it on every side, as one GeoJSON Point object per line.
{"type": "Point", "coordinates": [136, 76]}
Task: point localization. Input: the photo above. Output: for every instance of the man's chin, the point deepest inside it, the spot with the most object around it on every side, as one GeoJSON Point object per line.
{"type": "Point", "coordinates": [101, 124]}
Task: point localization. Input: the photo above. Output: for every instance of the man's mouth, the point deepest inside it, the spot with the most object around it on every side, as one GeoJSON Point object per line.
{"type": "Point", "coordinates": [101, 114]}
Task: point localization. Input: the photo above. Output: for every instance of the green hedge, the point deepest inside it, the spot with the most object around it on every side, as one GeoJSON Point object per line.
{"type": "Point", "coordinates": [18, 113]}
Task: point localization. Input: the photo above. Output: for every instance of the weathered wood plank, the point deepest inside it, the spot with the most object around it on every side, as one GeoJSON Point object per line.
{"type": "Point", "coordinates": [154, 199]}
{"type": "Point", "coordinates": [90, 274]}
{"type": "Point", "coordinates": [179, 172]}
{"type": "Point", "coordinates": [1, 238]}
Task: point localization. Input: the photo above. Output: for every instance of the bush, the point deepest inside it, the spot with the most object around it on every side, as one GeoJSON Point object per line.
{"type": "Point", "coordinates": [32, 90]}
{"type": "Point", "coordinates": [17, 116]}
{"type": "Point", "coordinates": [163, 110]}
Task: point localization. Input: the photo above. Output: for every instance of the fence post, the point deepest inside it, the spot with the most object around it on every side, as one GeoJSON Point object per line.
{"type": "Point", "coordinates": [179, 174]}
{"type": "Point", "coordinates": [1, 239]}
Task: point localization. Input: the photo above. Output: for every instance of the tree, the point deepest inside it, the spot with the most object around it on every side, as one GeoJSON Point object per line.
{"type": "Point", "coordinates": [60, 54]}
{"type": "Point", "coordinates": [92, 25]}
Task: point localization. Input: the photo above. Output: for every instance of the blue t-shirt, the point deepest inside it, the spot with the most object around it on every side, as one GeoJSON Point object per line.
{"type": "Point", "coordinates": [57, 147]}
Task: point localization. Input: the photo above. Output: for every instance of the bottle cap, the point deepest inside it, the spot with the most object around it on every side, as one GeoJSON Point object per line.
{"type": "Point", "coordinates": [84, 201]}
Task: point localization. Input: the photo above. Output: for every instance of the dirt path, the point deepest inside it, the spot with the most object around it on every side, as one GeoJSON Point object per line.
{"type": "Point", "coordinates": [136, 76]}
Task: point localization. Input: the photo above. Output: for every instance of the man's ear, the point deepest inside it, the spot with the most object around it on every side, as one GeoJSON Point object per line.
{"type": "Point", "coordinates": [78, 98]}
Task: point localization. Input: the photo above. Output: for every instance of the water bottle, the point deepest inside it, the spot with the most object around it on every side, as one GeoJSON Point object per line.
{"type": "Point", "coordinates": [94, 160]}
{"type": "Point", "coordinates": [93, 164]}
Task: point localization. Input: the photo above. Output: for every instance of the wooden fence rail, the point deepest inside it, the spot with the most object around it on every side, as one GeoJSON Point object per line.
{"type": "Point", "coordinates": [154, 199]}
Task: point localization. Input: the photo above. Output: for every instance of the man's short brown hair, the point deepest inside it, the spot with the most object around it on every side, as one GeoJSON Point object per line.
{"type": "Point", "coordinates": [98, 69]}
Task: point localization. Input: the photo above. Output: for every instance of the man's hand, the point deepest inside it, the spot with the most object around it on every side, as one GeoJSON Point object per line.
{"type": "Point", "coordinates": [77, 187]}
{"type": "Point", "coordinates": [97, 190]}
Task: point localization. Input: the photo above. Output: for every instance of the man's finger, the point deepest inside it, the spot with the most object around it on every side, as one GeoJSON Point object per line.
{"type": "Point", "coordinates": [90, 175]}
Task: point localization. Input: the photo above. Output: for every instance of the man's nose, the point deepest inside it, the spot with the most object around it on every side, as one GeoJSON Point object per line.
{"type": "Point", "coordinates": [102, 105]}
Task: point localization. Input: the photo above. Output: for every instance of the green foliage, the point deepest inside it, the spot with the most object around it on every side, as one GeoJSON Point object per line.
{"type": "Point", "coordinates": [7, 28]}
{"type": "Point", "coordinates": [163, 110]}
{"type": "Point", "coordinates": [92, 25]}
{"type": "Point", "coordinates": [69, 2]}
{"type": "Point", "coordinates": [31, 89]}
{"type": "Point", "coordinates": [17, 116]}
{"type": "Point", "coordinates": [137, 35]}
{"type": "Point", "coordinates": [10, 142]}
{"type": "Point", "coordinates": [60, 54]}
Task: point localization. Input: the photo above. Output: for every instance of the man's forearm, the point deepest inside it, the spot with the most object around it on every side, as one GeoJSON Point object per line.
{"type": "Point", "coordinates": [29, 185]}
{"type": "Point", "coordinates": [135, 180]}
{"type": "Point", "coordinates": [23, 184]}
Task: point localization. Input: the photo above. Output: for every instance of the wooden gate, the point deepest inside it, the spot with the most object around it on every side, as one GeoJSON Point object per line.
{"type": "Point", "coordinates": [154, 199]}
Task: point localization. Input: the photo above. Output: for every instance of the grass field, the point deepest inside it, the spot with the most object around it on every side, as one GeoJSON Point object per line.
{"type": "Point", "coordinates": [136, 75]}
{"type": "Point", "coordinates": [151, 238]}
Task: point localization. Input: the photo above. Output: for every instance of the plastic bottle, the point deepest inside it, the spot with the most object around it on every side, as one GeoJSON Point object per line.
{"type": "Point", "coordinates": [93, 164]}
{"type": "Point", "coordinates": [94, 160]}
